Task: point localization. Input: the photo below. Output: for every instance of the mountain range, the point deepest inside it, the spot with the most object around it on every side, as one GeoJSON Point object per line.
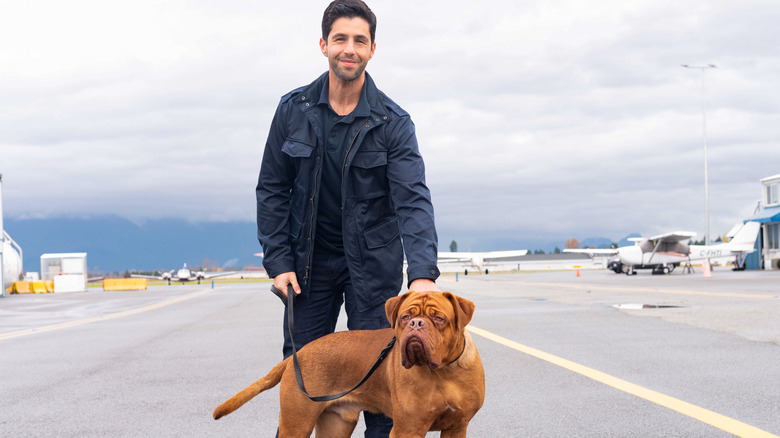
{"type": "Point", "coordinates": [114, 244]}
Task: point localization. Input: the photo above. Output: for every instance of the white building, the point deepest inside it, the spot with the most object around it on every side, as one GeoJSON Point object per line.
{"type": "Point", "coordinates": [768, 214]}
{"type": "Point", "coordinates": [68, 271]}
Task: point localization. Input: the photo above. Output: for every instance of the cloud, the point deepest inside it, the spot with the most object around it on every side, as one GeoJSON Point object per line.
{"type": "Point", "coordinates": [554, 116]}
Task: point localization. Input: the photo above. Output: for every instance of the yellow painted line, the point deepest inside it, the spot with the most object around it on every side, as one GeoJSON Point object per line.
{"type": "Point", "coordinates": [78, 322]}
{"type": "Point", "coordinates": [652, 290]}
{"type": "Point", "coordinates": [714, 419]}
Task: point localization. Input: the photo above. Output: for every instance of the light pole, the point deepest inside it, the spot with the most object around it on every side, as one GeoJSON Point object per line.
{"type": "Point", "coordinates": [703, 69]}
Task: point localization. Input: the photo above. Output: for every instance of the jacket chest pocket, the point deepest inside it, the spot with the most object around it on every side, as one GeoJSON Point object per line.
{"type": "Point", "coordinates": [368, 174]}
{"type": "Point", "coordinates": [297, 148]}
{"type": "Point", "coordinates": [301, 153]}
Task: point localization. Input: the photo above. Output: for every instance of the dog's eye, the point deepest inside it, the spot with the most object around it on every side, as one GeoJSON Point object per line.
{"type": "Point", "coordinates": [439, 319]}
{"type": "Point", "coordinates": [405, 318]}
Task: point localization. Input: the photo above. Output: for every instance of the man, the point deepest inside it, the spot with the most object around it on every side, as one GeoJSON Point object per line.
{"type": "Point", "coordinates": [341, 193]}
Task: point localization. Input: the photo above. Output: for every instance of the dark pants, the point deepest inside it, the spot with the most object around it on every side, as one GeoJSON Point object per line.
{"type": "Point", "coordinates": [317, 312]}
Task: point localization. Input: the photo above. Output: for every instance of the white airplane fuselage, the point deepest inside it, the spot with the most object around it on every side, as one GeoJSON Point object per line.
{"type": "Point", "coordinates": [186, 274]}
{"type": "Point", "coordinates": [183, 274]}
{"type": "Point", "coordinates": [633, 255]}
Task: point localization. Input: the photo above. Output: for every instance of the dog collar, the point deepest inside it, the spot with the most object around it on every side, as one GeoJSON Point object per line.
{"type": "Point", "coordinates": [461, 352]}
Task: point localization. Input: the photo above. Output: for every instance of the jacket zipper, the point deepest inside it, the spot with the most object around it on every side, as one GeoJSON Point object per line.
{"type": "Point", "coordinates": [311, 223]}
{"type": "Point", "coordinates": [311, 217]}
{"type": "Point", "coordinates": [362, 125]}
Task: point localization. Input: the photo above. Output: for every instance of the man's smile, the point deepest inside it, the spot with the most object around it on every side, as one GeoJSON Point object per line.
{"type": "Point", "coordinates": [348, 62]}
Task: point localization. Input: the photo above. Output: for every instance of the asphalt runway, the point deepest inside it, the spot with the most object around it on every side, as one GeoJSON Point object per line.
{"type": "Point", "coordinates": [595, 355]}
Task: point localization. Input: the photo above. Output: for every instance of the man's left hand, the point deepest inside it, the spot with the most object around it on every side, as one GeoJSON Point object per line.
{"type": "Point", "coordinates": [423, 285]}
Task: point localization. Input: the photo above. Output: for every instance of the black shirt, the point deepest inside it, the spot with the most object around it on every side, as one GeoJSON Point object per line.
{"type": "Point", "coordinates": [337, 132]}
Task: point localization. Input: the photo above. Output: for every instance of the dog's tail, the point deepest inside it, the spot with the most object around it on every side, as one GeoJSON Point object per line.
{"type": "Point", "coordinates": [269, 381]}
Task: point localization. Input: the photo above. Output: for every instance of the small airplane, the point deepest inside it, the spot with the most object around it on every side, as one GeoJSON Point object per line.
{"type": "Point", "coordinates": [183, 274]}
{"type": "Point", "coordinates": [479, 260]}
{"type": "Point", "coordinates": [664, 252]}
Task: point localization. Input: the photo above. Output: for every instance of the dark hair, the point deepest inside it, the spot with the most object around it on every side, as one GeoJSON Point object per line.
{"type": "Point", "coordinates": [349, 9]}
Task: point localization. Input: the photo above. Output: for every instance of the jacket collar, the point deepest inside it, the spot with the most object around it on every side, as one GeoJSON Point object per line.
{"type": "Point", "coordinates": [363, 109]}
{"type": "Point", "coordinates": [310, 95]}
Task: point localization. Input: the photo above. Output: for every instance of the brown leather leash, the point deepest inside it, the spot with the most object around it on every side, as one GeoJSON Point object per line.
{"type": "Point", "coordinates": [289, 302]}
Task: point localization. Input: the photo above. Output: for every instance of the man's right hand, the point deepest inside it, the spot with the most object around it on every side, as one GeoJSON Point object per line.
{"type": "Point", "coordinates": [282, 280]}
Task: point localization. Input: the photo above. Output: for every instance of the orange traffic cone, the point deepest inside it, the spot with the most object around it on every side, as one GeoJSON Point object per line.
{"type": "Point", "coordinates": [705, 269]}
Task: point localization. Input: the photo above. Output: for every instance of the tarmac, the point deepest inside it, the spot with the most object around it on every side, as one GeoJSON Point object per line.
{"type": "Point", "coordinates": [597, 354]}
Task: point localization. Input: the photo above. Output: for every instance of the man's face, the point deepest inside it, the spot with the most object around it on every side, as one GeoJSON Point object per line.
{"type": "Point", "coordinates": [348, 48]}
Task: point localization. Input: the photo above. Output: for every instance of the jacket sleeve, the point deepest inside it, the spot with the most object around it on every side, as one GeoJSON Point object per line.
{"type": "Point", "coordinates": [412, 200]}
{"type": "Point", "coordinates": [273, 192]}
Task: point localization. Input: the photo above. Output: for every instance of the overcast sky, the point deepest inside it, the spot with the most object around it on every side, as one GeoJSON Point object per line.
{"type": "Point", "coordinates": [535, 118]}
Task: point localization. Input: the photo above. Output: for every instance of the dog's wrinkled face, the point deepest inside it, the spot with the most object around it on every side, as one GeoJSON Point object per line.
{"type": "Point", "coordinates": [429, 326]}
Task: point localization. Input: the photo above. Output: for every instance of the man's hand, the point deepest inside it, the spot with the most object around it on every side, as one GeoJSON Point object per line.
{"type": "Point", "coordinates": [423, 285]}
{"type": "Point", "coordinates": [282, 280]}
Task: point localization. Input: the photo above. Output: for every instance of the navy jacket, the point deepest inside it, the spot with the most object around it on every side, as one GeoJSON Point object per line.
{"type": "Point", "coordinates": [387, 205]}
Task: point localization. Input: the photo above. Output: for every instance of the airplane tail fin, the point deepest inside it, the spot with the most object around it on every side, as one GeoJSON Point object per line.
{"type": "Point", "coordinates": [744, 240]}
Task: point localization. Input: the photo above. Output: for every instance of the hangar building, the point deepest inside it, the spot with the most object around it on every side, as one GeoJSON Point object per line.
{"type": "Point", "coordinates": [767, 254]}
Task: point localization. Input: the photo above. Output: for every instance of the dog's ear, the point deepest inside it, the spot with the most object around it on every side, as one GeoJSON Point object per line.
{"type": "Point", "coordinates": [464, 309]}
{"type": "Point", "coordinates": [391, 307]}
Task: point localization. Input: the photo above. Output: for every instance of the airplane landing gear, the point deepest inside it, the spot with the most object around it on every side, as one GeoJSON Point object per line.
{"type": "Point", "coordinates": [661, 270]}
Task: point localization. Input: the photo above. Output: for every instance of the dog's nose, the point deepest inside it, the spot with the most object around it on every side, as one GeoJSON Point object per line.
{"type": "Point", "coordinates": [416, 323]}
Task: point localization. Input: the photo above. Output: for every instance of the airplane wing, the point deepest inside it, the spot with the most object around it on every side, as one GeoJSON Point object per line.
{"type": "Point", "coordinates": [217, 274]}
{"type": "Point", "coordinates": [674, 236]}
{"type": "Point", "coordinates": [153, 277]}
{"type": "Point", "coordinates": [452, 258]}
{"type": "Point", "coordinates": [484, 255]}
{"type": "Point", "coordinates": [499, 255]}
{"type": "Point", "coordinates": [592, 251]}
{"type": "Point", "coordinates": [479, 260]}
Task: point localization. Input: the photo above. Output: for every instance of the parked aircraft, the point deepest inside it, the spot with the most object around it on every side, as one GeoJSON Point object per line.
{"type": "Point", "coordinates": [664, 252]}
{"type": "Point", "coordinates": [479, 260]}
{"type": "Point", "coordinates": [184, 274]}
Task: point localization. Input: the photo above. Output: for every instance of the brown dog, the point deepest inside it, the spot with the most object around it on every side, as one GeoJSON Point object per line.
{"type": "Point", "coordinates": [432, 379]}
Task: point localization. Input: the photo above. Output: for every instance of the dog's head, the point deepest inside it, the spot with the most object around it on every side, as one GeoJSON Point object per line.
{"type": "Point", "coordinates": [429, 326]}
